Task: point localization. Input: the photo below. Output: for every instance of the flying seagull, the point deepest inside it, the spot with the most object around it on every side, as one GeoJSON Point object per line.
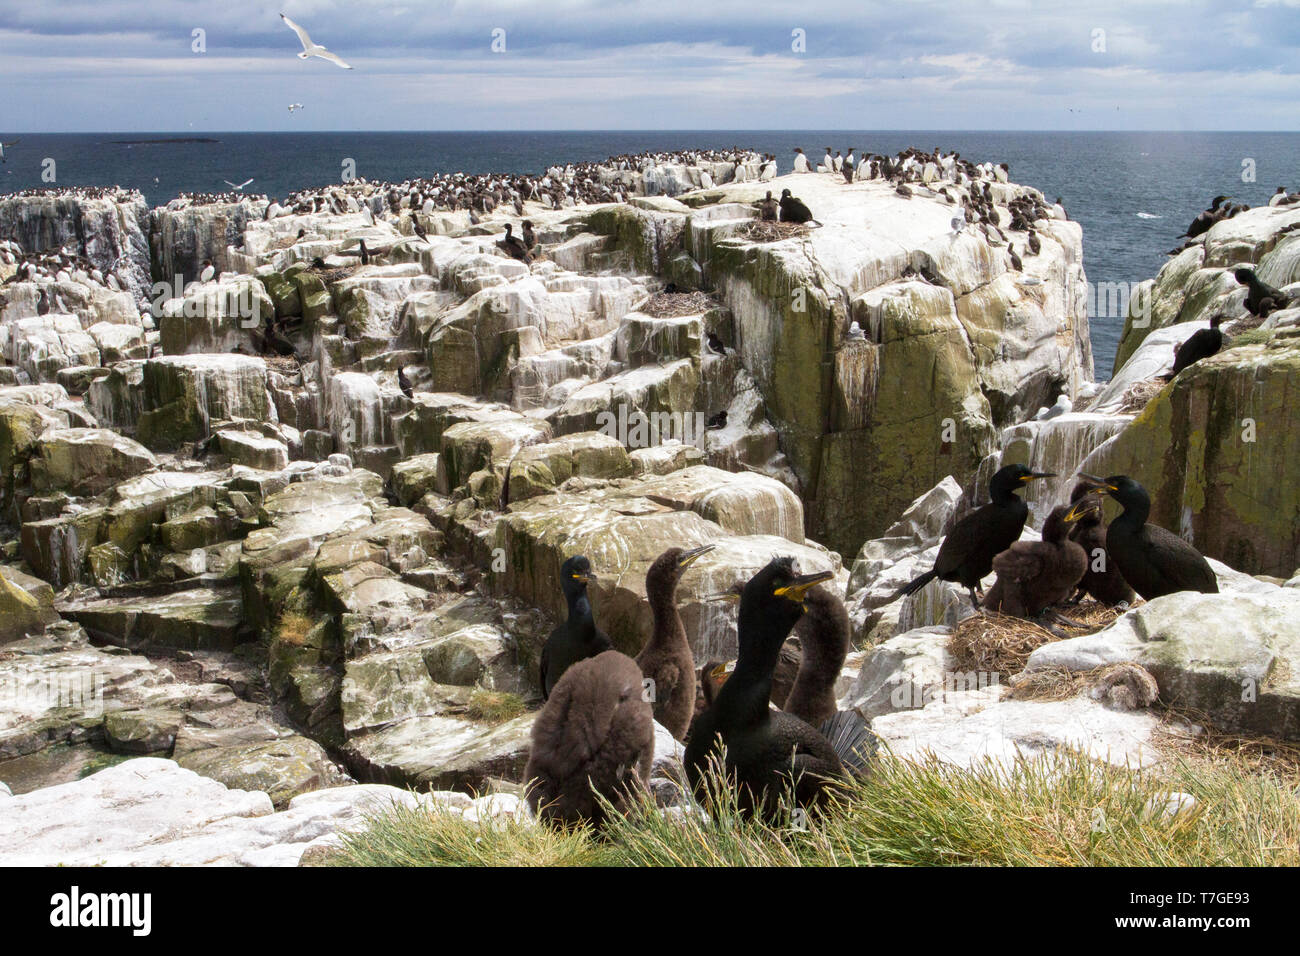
{"type": "Point", "coordinates": [238, 187]}
{"type": "Point", "coordinates": [2, 149]}
{"type": "Point", "coordinates": [312, 49]}
{"type": "Point", "coordinates": [294, 106]}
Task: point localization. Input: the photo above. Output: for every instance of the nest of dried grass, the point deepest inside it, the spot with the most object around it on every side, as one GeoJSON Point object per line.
{"type": "Point", "coordinates": [767, 231]}
{"type": "Point", "coordinates": [1001, 644]}
{"type": "Point", "coordinates": [1139, 394]}
{"type": "Point", "coordinates": [667, 305]}
{"type": "Point", "coordinates": [995, 643]}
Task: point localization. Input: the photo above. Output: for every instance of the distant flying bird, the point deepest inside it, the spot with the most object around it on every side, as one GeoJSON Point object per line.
{"type": "Point", "coordinates": [237, 187]}
{"type": "Point", "coordinates": [309, 48]}
{"type": "Point", "coordinates": [2, 149]}
{"type": "Point", "coordinates": [294, 106]}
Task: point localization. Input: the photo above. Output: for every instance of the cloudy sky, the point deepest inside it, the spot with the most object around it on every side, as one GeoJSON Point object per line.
{"type": "Point", "coordinates": [94, 65]}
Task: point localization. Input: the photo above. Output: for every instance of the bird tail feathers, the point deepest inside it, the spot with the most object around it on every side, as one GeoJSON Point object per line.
{"type": "Point", "coordinates": [851, 738]}
{"type": "Point", "coordinates": [914, 585]}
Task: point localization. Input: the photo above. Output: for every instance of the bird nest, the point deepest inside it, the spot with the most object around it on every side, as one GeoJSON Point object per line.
{"type": "Point", "coordinates": [995, 643]}
{"type": "Point", "coordinates": [767, 231]}
{"type": "Point", "coordinates": [667, 305]}
{"type": "Point", "coordinates": [284, 364]}
{"type": "Point", "coordinates": [1139, 394]}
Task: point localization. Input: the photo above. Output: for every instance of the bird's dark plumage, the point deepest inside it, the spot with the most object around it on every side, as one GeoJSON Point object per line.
{"type": "Point", "coordinates": [823, 634]}
{"type": "Point", "coordinates": [595, 735]}
{"type": "Point", "coordinates": [1200, 344]}
{"type": "Point", "coordinates": [967, 553]}
{"type": "Point", "coordinates": [1258, 291]}
{"type": "Point", "coordinates": [578, 637]}
{"type": "Point", "coordinates": [792, 209]}
{"type": "Point", "coordinates": [1153, 561]}
{"type": "Point", "coordinates": [666, 659]}
{"type": "Point", "coordinates": [513, 247]}
{"type": "Point", "coordinates": [1102, 579]}
{"type": "Point", "coordinates": [1033, 575]}
{"type": "Point", "coordinates": [768, 209]}
{"type": "Point", "coordinates": [766, 751]}
{"type": "Point", "coordinates": [404, 383]}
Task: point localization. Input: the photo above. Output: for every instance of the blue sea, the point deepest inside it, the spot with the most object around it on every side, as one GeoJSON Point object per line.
{"type": "Point", "coordinates": [1133, 193]}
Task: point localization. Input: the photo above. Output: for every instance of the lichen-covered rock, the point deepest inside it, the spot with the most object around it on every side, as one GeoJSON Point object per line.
{"type": "Point", "coordinates": [87, 461]}
{"type": "Point", "coordinates": [183, 395]}
{"type": "Point", "coordinates": [1219, 454]}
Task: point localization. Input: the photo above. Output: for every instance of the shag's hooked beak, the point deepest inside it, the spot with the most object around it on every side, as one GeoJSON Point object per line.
{"type": "Point", "coordinates": [719, 672]}
{"type": "Point", "coordinates": [1100, 485]}
{"type": "Point", "coordinates": [1037, 474]}
{"type": "Point", "coordinates": [797, 589]}
{"type": "Point", "coordinates": [587, 576]}
{"type": "Point", "coordinates": [687, 557]}
{"type": "Point", "coordinates": [1080, 509]}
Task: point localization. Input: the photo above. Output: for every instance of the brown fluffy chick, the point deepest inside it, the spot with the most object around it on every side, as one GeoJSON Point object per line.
{"type": "Point", "coordinates": [666, 658]}
{"type": "Point", "coordinates": [824, 637]}
{"type": "Point", "coordinates": [1033, 575]}
{"type": "Point", "coordinates": [595, 735]}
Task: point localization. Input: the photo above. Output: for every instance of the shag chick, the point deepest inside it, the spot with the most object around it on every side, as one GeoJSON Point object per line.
{"type": "Point", "coordinates": [1034, 575]}
{"type": "Point", "coordinates": [1102, 580]}
{"type": "Point", "coordinates": [666, 659]}
{"type": "Point", "coordinates": [823, 634]}
{"type": "Point", "coordinates": [792, 209]}
{"type": "Point", "coordinates": [595, 735]}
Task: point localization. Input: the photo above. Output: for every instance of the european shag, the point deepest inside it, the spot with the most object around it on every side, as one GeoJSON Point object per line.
{"type": "Point", "coordinates": [768, 208]}
{"type": "Point", "coordinates": [1200, 344]}
{"type": "Point", "coordinates": [1034, 575]}
{"type": "Point", "coordinates": [578, 637]}
{"type": "Point", "coordinates": [823, 634]}
{"type": "Point", "coordinates": [595, 735]}
{"type": "Point", "coordinates": [1153, 561]}
{"type": "Point", "coordinates": [792, 209]}
{"type": "Point", "coordinates": [966, 555]}
{"type": "Point", "coordinates": [404, 383]}
{"type": "Point", "coordinates": [513, 247]}
{"type": "Point", "coordinates": [1259, 291]}
{"type": "Point", "coordinates": [1102, 580]}
{"type": "Point", "coordinates": [666, 659]}
{"type": "Point", "coordinates": [766, 750]}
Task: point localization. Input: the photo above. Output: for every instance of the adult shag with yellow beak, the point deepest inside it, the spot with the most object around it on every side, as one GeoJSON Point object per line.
{"type": "Point", "coordinates": [766, 751]}
{"type": "Point", "coordinates": [1154, 561]}
{"type": "Point", "coordinates": [666, 658]}
{"type": "Point", "coordinates": [578, 637]}
{"type": "Point", "coordinates": [967, 553]}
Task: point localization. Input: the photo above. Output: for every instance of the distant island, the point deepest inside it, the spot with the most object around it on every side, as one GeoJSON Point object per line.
{"type": "Point", "coordinates": [178, 139]}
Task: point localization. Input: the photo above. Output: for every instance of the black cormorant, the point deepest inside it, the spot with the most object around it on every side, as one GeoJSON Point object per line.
{"type": "Point", "coordinates": [1153, 561]}
{"type": "Point", "coordinates": [404, 383]}
{"type": "Point", "coordinates": [513, 247]}
{"type": "Point", "coordinates": [1259, 291]}
{"type": "Point", "coordinates": [666, 658]}
{"type": "Point", "coordinates": [578, 637]}
{"type": "Point", "coordinates": [766, 750]}
{"type": "Point", "coordinates": [595, 735]}
{"type": "Point", "coordinates": [1200, 344]}
{"type": "Point", "coordinates": [966, 555]}
{"type": "Point", "coordinates": [793, 210]}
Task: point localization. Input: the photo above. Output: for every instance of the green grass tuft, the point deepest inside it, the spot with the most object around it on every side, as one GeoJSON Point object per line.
{"type": "Point", "coordinates": [1063, 810]}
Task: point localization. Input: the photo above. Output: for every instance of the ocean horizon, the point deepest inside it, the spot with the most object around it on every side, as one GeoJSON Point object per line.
{"type": "Point", "coordinates": [1133, 192]}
